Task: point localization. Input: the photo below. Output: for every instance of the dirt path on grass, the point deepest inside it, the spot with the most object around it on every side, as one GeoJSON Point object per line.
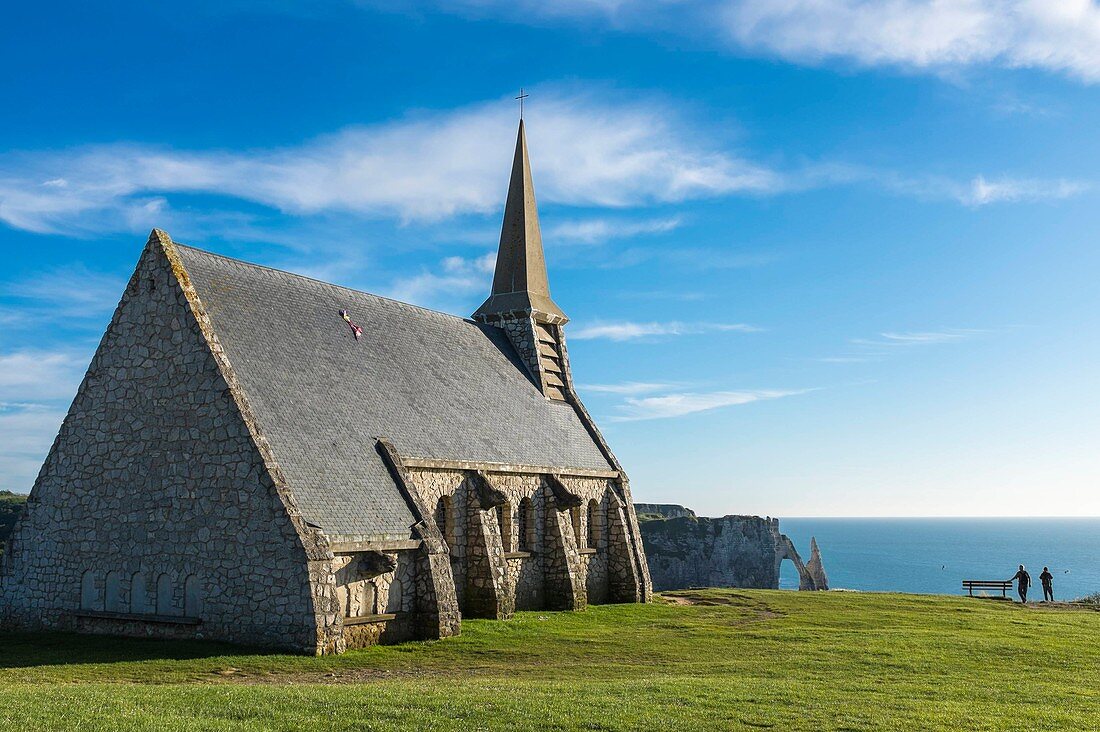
{"type": "Point", "coordinates": [708, 598]}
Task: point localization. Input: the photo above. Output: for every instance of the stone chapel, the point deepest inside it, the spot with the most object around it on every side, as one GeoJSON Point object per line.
{"type": "Point", "coordinates": [258, 457]}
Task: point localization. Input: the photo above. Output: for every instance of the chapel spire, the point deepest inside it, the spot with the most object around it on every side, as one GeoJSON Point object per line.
{"type": "Point", "coordinates": [520, 285]}
{"type": "Point", "coordinates": [520, 301]}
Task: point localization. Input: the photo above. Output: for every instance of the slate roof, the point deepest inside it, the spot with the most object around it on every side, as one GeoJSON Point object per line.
{"type": "Point", "coordinates": [439, 386]}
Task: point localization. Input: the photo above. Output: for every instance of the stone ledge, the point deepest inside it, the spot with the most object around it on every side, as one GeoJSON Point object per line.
{"type": "Point", "coordinates": [353, 547]}
{"type": "Point", "coordinates": [518, 555]}
{"type": "Point", "coordinates": [586, 550]}
{"type": "Point", "coordinates": [361, 619]}
{"type": "Point", "coordinates": [162, 619]}
{"type": "Point", "coordinates": [439, 464]}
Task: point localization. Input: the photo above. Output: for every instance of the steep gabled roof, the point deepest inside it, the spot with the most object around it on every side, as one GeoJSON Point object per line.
{"type": "Point", "coordinates": [438, 386]}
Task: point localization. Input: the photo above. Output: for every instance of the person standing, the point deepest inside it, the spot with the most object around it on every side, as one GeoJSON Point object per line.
{"type": "Point", "coordinates": [1023, 582]}
{"type": "Point", "coordinates": [1048, 585]}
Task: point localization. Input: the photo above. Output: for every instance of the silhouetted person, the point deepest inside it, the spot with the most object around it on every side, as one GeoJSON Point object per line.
{"type": "Point", "coordinates": [1023, 581]}
{"type": "Point", "coordinates": [1048, 585]}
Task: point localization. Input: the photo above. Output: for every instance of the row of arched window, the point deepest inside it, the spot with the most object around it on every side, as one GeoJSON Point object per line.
{"type": "Point", "coordinates": [139, 600]}
{"type": "Point", "coordinates": [588, 535]}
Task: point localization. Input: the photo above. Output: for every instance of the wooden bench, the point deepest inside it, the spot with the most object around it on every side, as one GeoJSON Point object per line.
{"type": "Point", "coordinates": [1003, 585]}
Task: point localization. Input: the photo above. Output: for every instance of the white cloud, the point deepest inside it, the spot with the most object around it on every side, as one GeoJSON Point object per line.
{"type": "Point", "coordinates": [919, 338]}
{"type": "Point", "coordinates": [982, 192]}
{"type": "Point", "coordinates": [627, 387]}
{"type": "Point", "coordinates": [924, 338]}
{"type": "Point", "coordinates": [449, 284]}
{"type": "Point", "coordinates": [35, 388]}
{"type": "Point", "coordinates": [26, 432]}
{"type": "Point", "coordinates": [70, 290]}
{"type": "Point", "coordinates": [625, 331]}
{"type": "Point", "coordinates": [890, 343]}
{"type": "Point", "coordinates": [678, 405]}
{"type": "Point", "coordinates": [594, 231]}
{"type": "Point", "coordinates": [975, 192]}
{"type": "Point", "coordinates": [842, 359]}
{"type": "Point", "coordinates": [1063, 35]}
{"type": "Point", "coordinates": [587, 149]}
{"type": "Point", "coordinates": [33, 376]}
{"type": "Point", "coordinates": [1055, 35]}
{"type": "Point", "coordinates": [70, 297]}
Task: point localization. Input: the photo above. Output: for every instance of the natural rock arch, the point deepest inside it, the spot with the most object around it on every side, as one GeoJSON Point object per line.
{"type": "Point", "coordinates": [810, 577]}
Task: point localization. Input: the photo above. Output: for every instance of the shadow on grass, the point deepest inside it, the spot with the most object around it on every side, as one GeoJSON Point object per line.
{"type": "Point", "coordinates": [31, 650]}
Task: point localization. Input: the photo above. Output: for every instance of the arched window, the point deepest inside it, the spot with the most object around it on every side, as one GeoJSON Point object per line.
{"type": "Point", "coordinates": [526, 525]}
{"type": "Point", "coordinates": [393, 601]}
{"type": "Point", "coordinates": [504, 519]}
{"type": "Point", "coordinates": [445, 520]}
{"type": "Point", "coordinates": [192, 597]}
{"type": "Point", "coordinates": [139, 601]}
{"type": "Point", "coordinates": [89, 595]}
{"type": "Point", "coordinates": [595, 524]}
{"type": "Point", "coordinates": [575, 518]}
{"type": "Point", "coordinates": [164, 596]}
{"type": "Point", "coordinates": [364, 598]}
{"type": "Point", "coordinates": [113, 590]}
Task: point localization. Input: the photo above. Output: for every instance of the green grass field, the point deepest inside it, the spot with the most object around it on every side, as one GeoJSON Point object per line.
{"type": "Point", "coordinates": [731, 660]}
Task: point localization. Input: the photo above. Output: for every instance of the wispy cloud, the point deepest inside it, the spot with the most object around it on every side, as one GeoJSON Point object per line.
{"type": "Point", "coordinates": [451, 282]}
{"type": "Point", "coordinates": [628, 387]}
{"type": "Point", "coordinates": [626, 331]}
{"type": "Point", "coordinates": [983, 192]}
{"type": "Point", "coordinates": [678, 405]}
{"type": "Point", "coordinates": [919, 338]}
{"type": "Point", "coordinates": [72, 299]}
{"type": "Point", "coordinates": [35, 387]}
{"type": "Point", "coordinates": [592, 151]}
{"type": "Point", "coordinates": [26, 432]}
{"type": "Point", "coordinates": [890, 343]}
{"type": "Point", "coordinates": [975, 191]}
{"type": "Point", "coordinates": [1057, 36]}
{"type": "Point", "coordinates": [1061, 36]}
{"type": "Point", "coordinates": [842, 359]}
{"type": "Point", "coordinates": [35, 376]}
{"type": "Point", "coordinates": [909, 339]}
{"type": "Point", "coordinates": [593, 231]}
{"type": "Point", "coordinates": [70, 292]}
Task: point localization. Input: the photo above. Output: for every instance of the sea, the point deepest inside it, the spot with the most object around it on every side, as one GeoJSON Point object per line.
{"type": "Point", "coordinates": [934, 555]}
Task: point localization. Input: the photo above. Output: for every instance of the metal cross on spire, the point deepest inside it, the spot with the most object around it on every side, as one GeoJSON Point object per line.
{"type": "Point", "coordinates": [521, 97]}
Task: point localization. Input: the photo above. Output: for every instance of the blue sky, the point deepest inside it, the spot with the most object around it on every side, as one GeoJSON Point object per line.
{"type": "Point", "coordinates": [821, 257]}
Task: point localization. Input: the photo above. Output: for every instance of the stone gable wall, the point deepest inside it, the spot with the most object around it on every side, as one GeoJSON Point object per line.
{"type": "Point", "coordinates": [154, 473]}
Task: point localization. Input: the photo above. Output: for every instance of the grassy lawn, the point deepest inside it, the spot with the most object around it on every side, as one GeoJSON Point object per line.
{"type": "Point", "coordinates": [730, 660]}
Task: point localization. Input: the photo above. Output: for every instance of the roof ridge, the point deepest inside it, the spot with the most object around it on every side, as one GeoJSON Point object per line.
{"type": "Point", "coordinates": [429, 311]}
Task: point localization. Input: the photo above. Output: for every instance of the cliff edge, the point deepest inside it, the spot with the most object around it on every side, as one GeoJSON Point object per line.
{"type": "Point", "coordinates": [685, 550]}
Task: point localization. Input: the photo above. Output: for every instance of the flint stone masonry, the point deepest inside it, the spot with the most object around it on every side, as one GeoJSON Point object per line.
{"type": "Point", "coordinates": [685, 550]}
